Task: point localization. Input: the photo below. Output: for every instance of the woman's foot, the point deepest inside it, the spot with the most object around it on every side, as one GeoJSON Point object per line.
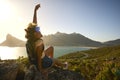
{"type": "Point", "coordinates": [66, 65]}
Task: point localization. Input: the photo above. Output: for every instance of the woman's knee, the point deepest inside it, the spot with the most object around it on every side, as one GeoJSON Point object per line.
{"type": "Point", "coordinates": [51, 48]}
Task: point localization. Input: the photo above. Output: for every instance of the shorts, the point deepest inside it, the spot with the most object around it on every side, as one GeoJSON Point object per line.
{"type": "Point", "coordinates": [47, 62]}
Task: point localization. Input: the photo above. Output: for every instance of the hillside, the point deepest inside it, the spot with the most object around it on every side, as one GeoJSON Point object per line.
{"type": "Point", "coordinates": [73, 39]}
{"type": "Point", "coordinates": [96, 64]}
{"type": "Point", "coordinates": [61, 39]}
{"type": "Point", "coordinates": [12, 41]}
{"type": "Point", "coordinates": [112, 42]}
{"type": "Point", "coordinates": [58, 39]}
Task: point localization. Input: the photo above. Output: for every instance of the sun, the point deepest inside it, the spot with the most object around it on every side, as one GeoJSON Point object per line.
{"type": "Point", "coordinates": [5, 10]}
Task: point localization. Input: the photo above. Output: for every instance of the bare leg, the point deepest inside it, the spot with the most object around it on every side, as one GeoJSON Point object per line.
{"type": "Point", "coordinates": [58, 63]}
{"type": "Point", "coordinates": [49, 51]}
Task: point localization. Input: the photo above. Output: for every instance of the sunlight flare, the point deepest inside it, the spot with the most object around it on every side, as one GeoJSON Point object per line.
{"type": "Point", "coordinates": [5, 10]}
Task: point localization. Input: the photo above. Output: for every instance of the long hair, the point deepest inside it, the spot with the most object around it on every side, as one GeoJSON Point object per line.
{"type": "Point", "coordinates": [30, 31]}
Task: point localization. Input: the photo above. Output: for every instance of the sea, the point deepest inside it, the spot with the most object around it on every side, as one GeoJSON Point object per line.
{"type": "Point", "coordinates": [16, 52]}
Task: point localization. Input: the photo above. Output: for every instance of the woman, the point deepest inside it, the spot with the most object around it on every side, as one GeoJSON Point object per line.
{"type": "Point", "coordinates": [42, 59]}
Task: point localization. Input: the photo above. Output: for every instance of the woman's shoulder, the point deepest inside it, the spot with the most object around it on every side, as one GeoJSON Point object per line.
{"type": "Point", "coordinates": [39, 42]}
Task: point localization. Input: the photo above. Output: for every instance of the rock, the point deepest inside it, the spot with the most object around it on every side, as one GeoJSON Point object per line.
{"type": "Point", "coordinates": [15, 71]}
{"type": "Point", "coordinates": [33, 74]}
{"type": "Point", "coordinates": [61, 74]}
{"type": "Point", "coordinates": [54, 73]}
{"type": "Point", "coordinates": [8, 71]}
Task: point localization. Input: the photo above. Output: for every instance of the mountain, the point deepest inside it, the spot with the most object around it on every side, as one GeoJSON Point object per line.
{"type": "Point", "coordinates": [61, 39]}
{"type": "Point", "coordinates": [12, 41]}
{"type": "Point", "coordinates": [112, 42]}
{"type": "Point", "coordinates": [73, 39]}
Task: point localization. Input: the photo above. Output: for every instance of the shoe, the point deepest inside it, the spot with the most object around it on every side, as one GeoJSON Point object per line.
{"type": "Point", "coordinates": [66, 65]}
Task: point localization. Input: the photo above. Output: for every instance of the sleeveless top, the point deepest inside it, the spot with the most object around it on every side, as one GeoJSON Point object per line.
{"type": "Point", "coordinates": [30, 48]}
{"type": "Point", "coordinates": [32, 55]}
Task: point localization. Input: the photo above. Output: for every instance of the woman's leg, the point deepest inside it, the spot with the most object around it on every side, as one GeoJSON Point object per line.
{"type": "Point", "coordinates": [50, 51]}
{"type": "Point", "coordinates": [58, 63]}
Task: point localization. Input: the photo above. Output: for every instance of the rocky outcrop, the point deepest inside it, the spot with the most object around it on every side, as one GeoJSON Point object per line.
{"type": "Point", "coordinates": [60, 74]}
{"type": "Point", "coordinates": [8, 71]}
{"type": "Point", "coordinates": [12, 41]}
{"type": "Point", "coordinates": [54, 73]}
{"type": "Point", "coordinates": [15, 71]}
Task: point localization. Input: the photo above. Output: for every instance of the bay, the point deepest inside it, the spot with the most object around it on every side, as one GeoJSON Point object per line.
{"type": "Point", "coordinates": [15, 52]}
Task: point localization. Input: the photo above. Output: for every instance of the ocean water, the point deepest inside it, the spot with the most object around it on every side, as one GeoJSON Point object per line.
{"type": "Point", "coordinates": [15, 52]}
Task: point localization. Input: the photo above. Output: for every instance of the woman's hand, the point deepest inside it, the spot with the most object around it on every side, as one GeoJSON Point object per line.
{"type": "Point", "coordinates": [37, 7]}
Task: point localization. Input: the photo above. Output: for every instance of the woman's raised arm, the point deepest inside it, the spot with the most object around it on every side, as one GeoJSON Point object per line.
{"type": "Point", "coordinates": [35, 13]}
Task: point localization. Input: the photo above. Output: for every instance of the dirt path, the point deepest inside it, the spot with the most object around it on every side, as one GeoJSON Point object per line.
{"type": "Point", "coordinates": [85, 55]}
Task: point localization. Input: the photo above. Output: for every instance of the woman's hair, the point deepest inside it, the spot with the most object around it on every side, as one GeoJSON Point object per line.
{"type": "Point", "coordinates": [30, 31]}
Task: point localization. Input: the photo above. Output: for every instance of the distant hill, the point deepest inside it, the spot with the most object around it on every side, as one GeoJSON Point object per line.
{"type": "Point", "coordinates": [112, 42]}
{"type": "Point", "coordinates": [12, 41]}
{"type": "Point", "coordinates": [60, 39]}
{"type": "Point", "coordinates": [73, 39]}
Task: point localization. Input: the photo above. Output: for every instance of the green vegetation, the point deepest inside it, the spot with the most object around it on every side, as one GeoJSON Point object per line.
{"type": "Point", "coordinates": [96, 64]}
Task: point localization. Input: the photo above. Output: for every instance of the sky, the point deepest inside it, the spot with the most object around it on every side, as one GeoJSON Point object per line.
{"type": "Point", "coordinates": [98, 20]}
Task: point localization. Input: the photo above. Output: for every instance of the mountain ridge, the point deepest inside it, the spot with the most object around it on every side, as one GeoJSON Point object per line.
{"type": "Point", "coordinates": [61, 39]}
{"type": "Point", "coordinates": [112, 42]}
{"type": "Point", "coordinates": [73, 39]}
{"type": "Point", "coordinates": [12, 41]}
